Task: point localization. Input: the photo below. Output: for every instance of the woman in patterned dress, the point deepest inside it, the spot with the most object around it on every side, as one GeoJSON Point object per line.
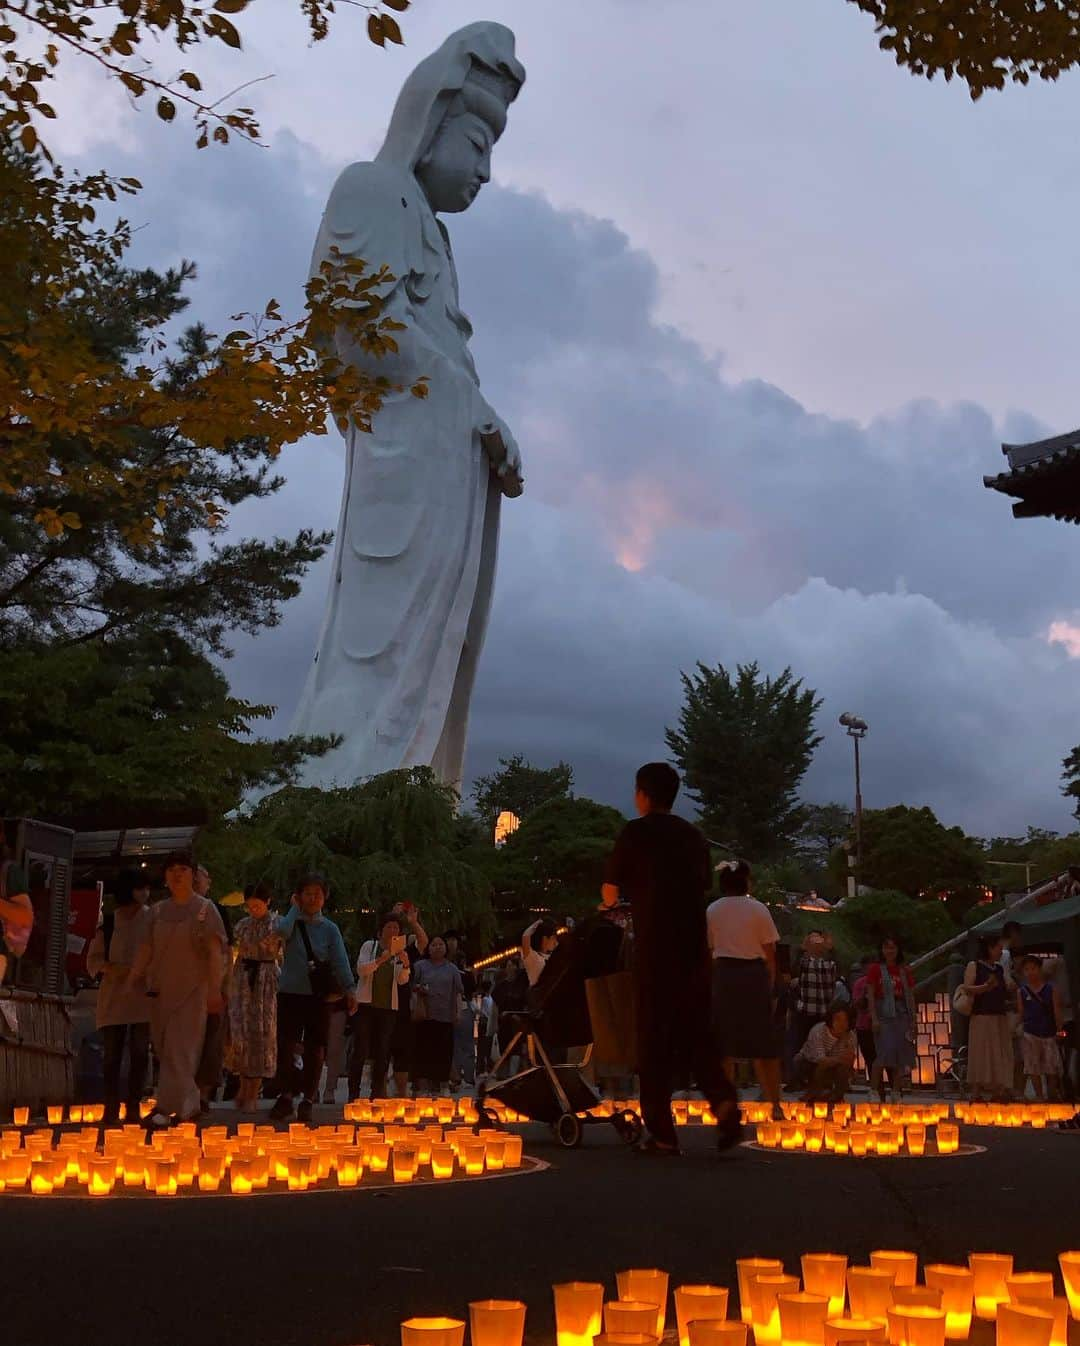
{"type": "Point", "coordinates": [252, 1049]}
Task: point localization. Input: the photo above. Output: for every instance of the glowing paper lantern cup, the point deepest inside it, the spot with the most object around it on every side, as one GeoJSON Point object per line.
{"type": "Point", "coordinates": [957, 1286]}
{"type": "Point", "coordinates": [904, 1265]}
{"type": "Point", "coordinates": [699, 1303]}
{"type": "Point", "coordinates": [497, 1322]}
{"type": "Point", "coordinates": [749, 1267]}
{"type": "Point", "coordinates": [917, 1325]}
{"type": "Point", "coordinates": [713, 1332]}
{"type": "Point", "coordinates": [1027, 1285]}
{"type": "Point", "coordinates": [648, 1286]}
{"type": "Point", "coordinates": [1070, 1274]}
{"type": "Point", "coordinates": [624, 1339]}
{"type": "Point", "coordinates": [765, 1292]}
{"type": "Point", "coordinates": [432, 1332]}
{"type": "Point", "coordinates": [991, 1272]}
{"type": "Point", "coordinates": [870, 1291]}
{"type": "Point", "coordinates": [579, 1308]}
{"type": "Point", "coordinates": [838, 1330]}
{"type": "Point", "coordinates": [826, 1274]}
{"type": "Point", "coordinates": [635, 1316]}
{"type": "Point", "coordinates": [1024, 1325]}
{"type": "Point", "coordinates": [929, 1296]}
{"type": "Point", "coordinates": [802, 1319]}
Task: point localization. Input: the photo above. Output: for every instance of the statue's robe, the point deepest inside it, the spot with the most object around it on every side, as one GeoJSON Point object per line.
{"type": "Point", "coordinates": [415, 549]}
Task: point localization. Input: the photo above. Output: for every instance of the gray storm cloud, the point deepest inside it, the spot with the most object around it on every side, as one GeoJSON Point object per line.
{"type": "Point", "coordinates": [673, 515]}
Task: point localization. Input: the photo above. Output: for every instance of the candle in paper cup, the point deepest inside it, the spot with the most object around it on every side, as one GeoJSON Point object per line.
{"type": "Point", "coordinates": [1024, 1324]}
{"type": "Point", "coordinates": [826, 1274]}
{"type": "Point", "coordinates": [496, 1322]}
{"type": "Point", "coordinates": [840, 1330]}
{"type": "Point", "coordinates": [916, 1325]}
{"type": "Point", "coordinates": [802, 1318]}
{"type": "Point", "coordinates": [650, 1286]}
{"type": "Point", "coordinates": [765, 1309]}
{"type": "Point", "coordinates": [579, 1307]}
{"type": "Point", "coordinates": [1070, 1274]}
{"type": "Point", "coordinates": [870, 1291]}
{"type": "Point", "coordinates": [957, 1286]}
{"type": "Point", "coordinates": [432, 1332]}
{"type": "Point", "coordinates": [746, 1269]}
{"type": "Point", "coordinates": [1027, 1285]}
{"type": "Point", "coordinates": [715, 1332]}
{"type": "Point", "coordinates": [903, 1264]}
{"type": "Point", "coordinates": [991, 1272]}
{"type": "Point", "coordinates": [698, 1302]}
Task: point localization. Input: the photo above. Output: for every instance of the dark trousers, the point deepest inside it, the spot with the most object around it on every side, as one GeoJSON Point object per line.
{"type": "Point", "coordinates": [433, 1052]}
{"type": "Point", "coordinates": [373, 1030]}
{"type": "Point", "coordinates": [137, 1038]}
{"type": "Point", "coordinates": [303, 1028]}
{"type": "Point", "coordinates": [212, 1060]}
{"type": "Point", "coordinates": [673, 1028]}
{"type": "Point", "coordinates": [798, 1030]}
{"type": "Point", "coordinates": [868, 1047]}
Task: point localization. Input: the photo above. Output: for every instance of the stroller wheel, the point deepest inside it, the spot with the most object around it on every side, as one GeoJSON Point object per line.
{"type": "Point", "coordinates": [629, 1127]}
{"type": "Point", "coordinates": [568, 1131]}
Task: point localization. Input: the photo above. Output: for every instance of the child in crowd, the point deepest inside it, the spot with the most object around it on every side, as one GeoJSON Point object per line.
{"type": "Point", "coordinates": [252, 1049]}
{"type": "Point", "coordinates": [827, 1056]}
{"type": "Point", "coordinates": [1039, 1007]}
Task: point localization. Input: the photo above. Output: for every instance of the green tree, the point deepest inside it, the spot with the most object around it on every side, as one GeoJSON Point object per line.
{"type": "Point", "coordinates": [744, 744]}
{"type": "Point", "coordinates": [982, 42]}
{"type": "Point", "coordinates": [920, 926]}
{"type": "Point", "coordinates": [392, 837]}
{"type": "Point", "coordinates": [129, 726]}
{"type": "Point", "coordinates": [519, 787]}
{"type": "Point", "coordinates": [822, 827]}
{"type": "Point", "coordinates": [910, 851]}
{"type": "Point", "coordinates": [555, 860]}
{"type": "Point", "coordinates": [101, 581]}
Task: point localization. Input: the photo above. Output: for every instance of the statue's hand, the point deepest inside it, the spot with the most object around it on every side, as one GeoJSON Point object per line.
{"type": "Point", "coordinates": [504, 456]}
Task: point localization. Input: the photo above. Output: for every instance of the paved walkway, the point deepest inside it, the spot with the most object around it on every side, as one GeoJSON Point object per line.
{"type": "Point", "coordinates": [344, 1268]}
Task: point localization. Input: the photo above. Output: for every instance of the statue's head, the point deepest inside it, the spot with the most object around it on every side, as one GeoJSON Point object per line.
{"type": "Point", "coordinates": [450, 112]}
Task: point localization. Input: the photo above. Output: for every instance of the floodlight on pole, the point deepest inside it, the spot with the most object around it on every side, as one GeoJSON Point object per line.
{"type": "Point", "coordinates": [857, 730]}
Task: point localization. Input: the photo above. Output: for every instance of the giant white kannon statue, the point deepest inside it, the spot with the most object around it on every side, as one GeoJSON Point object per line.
{"type": "Point", "coordinates": [414, 557]}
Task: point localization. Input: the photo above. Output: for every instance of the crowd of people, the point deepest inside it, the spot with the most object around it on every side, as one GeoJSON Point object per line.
{"type": "Point", "coordinates": [275, 1003]}
{"type": "Point", "coordinates": [271, 1006]}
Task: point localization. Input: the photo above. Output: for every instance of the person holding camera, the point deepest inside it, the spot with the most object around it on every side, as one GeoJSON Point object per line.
{"type": "Point", "coordinates": [314, 972]}
{"type": "Point", "coordinates": [382, 967]}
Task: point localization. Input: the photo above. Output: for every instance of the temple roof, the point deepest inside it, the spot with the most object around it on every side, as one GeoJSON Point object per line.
{"type": "Point", "coordinates": [1044, 476]}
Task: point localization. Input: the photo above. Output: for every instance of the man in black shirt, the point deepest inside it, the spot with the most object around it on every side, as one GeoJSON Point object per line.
{"type": "Point", "coordinates": [661, 865]}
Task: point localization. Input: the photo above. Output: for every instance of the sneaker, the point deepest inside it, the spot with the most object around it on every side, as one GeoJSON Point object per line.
{"type": "Point", "coordinates": [651, 1149]}
{"type": "Point", "coordinates": [303, 1111]}
{"type": "Point", "coordinates": [282, 1109]}
{"type": "Point", "coordinates": [158, 1121]}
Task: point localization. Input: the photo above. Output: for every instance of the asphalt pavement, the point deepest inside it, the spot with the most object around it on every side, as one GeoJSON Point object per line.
{"type": "Point", "coordinates": [340, 1269]}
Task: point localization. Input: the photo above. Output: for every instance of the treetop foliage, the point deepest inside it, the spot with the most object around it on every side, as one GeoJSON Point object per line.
{"type": "Point", "coordinates": [519, 787]}
{"type": "Point", "coordinates": [117, 38]}
{"type": "Point", "coordinates": [744, 743]}
{"type": "Point", "coordinates": [985, 43]}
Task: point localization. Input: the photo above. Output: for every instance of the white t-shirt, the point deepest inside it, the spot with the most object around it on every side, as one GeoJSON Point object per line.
{"type": "Point", "coordinates": [740, 927]}
{"type": "Point", "coordinates": [534, 963]}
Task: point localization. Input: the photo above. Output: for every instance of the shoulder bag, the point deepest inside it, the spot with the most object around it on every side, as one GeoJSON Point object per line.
{"type": "Point", "coordinates": [321, 974]}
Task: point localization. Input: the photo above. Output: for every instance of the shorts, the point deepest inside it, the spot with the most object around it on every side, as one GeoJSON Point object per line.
{"type": "Point", "coordinates": [1041, 1055]}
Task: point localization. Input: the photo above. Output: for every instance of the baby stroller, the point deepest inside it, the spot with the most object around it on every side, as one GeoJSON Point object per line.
{"type": "Point", "coordinates": [557, 1019]}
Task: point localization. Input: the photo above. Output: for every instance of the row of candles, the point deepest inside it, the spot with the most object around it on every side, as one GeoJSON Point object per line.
{"type": "Point", "coordinates": [686, 1112]}
{"type": "Point", "coordinates": [254, 1158]}
{"type": "Point", "coordinates": [832, 1304]}
{"type": "Point", "coordinates": [886, 1140]}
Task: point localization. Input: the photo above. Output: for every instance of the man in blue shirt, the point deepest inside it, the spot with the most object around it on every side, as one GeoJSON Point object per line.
{"type": "Point", "coordinates": [315, 971]}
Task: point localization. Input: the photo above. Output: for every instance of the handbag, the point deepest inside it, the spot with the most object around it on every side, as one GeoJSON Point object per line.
{"type": "Point", "coordinates": [963, 1002]}
{"type": "Point", "coordinates": [321, 974]}
{"type": "Point", "coordinates": [418, 1009]}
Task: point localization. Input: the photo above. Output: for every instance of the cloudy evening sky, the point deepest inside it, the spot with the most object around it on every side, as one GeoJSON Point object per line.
{"type": "Point", "coordinates": [761, 308]}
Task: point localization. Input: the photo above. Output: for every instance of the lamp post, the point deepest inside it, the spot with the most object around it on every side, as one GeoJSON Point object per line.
{"type": "Point", "coordinates": [856, 731]}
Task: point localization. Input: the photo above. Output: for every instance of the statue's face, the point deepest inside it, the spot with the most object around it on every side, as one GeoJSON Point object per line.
{"type": "Point", "coordinates": [458, 163]}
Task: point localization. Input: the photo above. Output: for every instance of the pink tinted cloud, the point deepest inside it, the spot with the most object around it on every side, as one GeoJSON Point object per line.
{"type": "Point", "coordinates": [1067, 635]}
